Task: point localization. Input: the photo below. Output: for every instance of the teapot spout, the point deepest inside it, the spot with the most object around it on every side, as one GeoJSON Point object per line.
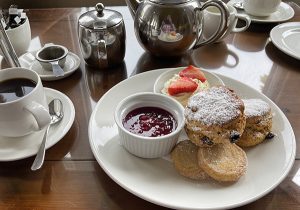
{"type": "Point", "coordinates": [133, 5]}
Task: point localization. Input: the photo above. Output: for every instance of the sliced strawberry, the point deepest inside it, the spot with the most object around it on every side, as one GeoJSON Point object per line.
{"type": "Point", "coordinates": [182, 85]}
{"type": "Point", "coordinates": [193, 73]}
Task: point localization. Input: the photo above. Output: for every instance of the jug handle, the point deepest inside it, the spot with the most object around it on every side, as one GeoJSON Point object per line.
{"type": "Point", "coordinates": [247, 21]}
{"type": "Point", "coordinates": [223, 23]}
{"type": "Point", "coordinates": [102, 53]}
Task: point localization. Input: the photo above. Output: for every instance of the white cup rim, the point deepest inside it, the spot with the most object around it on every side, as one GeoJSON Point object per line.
{"type": "Point", "coordinates": [37, 80]}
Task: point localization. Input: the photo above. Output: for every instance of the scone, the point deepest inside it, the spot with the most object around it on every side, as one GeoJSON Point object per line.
{"type": "Point", "coordinates": [214, 116]}
{"type": "Point", "coordinates": [258, 123]}
{"type": "Point", "coordinates": [185, 160]}
{"type": "Point", "coordinates": [223, 162]}
{"type": "Point", "coordinates": [198, 137]}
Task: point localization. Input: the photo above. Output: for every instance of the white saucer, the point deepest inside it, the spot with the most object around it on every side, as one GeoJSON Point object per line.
{"type": "Point", "coordinates": [285, 37]}
{"type": "Point", "coordinates": [22, 147]}
{"type": "Point", "coordinates": [284, 13]}
{"type": "Point", "coordinates": [28, 60]}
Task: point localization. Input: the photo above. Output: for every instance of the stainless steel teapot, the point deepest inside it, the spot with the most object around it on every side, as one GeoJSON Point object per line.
{"type": "Point", "coordinates": [173, 27]}
{"type": "Point", "coordinates": [102, 35]}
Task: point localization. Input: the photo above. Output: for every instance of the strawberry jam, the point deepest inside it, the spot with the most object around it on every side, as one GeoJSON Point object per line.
{"type": "Point", "coordinates": [149, 122]}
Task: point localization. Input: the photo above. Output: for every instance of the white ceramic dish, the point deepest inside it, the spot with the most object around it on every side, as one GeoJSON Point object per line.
{"type": "Point", "coordinates": [22, 147]}
{"type": "Point", "coordinates": [157, 181]}
{"type": "Point", "coordinates": [142, 146]}
{"type": "Point", "coordinates": [283, 13]}
{"type": "Point", "coordinates": [28, 60]}
{"type": "Point", "coordinates": [212, 78]}
{"type": "Point", "coordinates": [285, 37]}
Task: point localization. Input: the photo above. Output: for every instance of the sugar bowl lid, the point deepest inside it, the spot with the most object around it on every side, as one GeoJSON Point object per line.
{"type": "Point", "coordinates": [107, 16]}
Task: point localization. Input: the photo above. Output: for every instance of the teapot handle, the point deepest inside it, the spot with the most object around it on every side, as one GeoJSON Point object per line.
{"type": "Point", "coordinates": [101, 43]}
{"type": "Point", "coordinates": [223, 23]}
{"type": "Point", "coordinates": [102, 53]}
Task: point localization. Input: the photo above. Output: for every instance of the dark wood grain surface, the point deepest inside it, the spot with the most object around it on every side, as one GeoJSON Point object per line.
{"type": "Point", "coordinates": [71, 178]}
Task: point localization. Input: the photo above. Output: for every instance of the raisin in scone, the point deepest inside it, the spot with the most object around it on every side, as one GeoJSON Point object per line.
{"type": "Point", "coordinates": [215, 116]}
{"type": "Point", "coordinates": [197, 137]}
{"type": "Point", "coordinates": [258, 122]}
{"type": "Point", "coordinates": [223, 162]}
{"type": "Point", "coordinates": [185, 160]}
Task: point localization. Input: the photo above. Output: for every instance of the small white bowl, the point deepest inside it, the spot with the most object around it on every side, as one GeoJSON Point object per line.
{"type": "Point", "coordinates": [212, 79]}
{"type": "Point", "coordinates": [149, 147]}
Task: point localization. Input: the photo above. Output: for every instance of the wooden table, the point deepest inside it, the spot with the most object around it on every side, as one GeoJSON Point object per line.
{"type": "Point", "coordinates": [71, 178]}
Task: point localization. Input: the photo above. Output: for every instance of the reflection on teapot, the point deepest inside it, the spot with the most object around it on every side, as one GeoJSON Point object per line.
{"type": "Point", "coordinates": [212, 57]}
{"type": "Point", "coordinates": [149, 62]}
{"type": "Point", "coordinates": [172, 28]}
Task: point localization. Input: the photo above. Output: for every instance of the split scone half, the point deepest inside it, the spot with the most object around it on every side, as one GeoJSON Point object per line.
{"type": "Point", "coordinates": [185, 160]}
{"type": "Point", "coordinates": [223, 162]}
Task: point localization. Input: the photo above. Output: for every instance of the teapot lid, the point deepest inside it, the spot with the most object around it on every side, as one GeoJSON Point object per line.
{"type": "Point", "coordinates": [93, 17]}
{"type": "Point", "coordinates": [169, 1]}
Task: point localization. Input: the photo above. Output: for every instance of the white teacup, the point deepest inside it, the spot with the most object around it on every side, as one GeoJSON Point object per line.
{"type": "Point", "coordinates": [20, 37]}
{"type": "Point", "coordinates": [23, 109]}
{"type": "Point", "coordinates": [212, 18]}
{"type": "Point", "coordinates": [261, 7]}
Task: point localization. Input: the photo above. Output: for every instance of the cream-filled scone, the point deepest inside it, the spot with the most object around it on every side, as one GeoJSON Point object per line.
{"type": "Point", "coordinates": [183, 85]}
{"type": "Point", "coordinates": [214, 116]}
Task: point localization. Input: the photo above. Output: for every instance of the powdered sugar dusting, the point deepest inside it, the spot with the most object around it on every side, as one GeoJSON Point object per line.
{"type": "Point", "coordinates": [217, 105]}
{"type": "Point", "coordinates": [256, 107]}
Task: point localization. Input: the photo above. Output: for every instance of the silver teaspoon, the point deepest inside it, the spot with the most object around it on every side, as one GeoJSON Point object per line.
{"type": "Point", "coordinates": [56, 113]}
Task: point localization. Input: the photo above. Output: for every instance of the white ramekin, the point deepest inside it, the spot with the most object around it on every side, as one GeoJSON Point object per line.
{"type": "Point", "coordinates": [148, 147]}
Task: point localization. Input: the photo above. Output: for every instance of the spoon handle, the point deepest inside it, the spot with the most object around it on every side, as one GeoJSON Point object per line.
{"type": "Point", "coordinates": [39, 158]}
{"type": "Point", "coordinates": [57, 70]}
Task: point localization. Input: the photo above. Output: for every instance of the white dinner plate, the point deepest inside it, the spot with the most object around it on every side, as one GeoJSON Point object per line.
{"type": "Point", "coordinates": [22, 147]}
{"type": "Point", "coordinates": [283, 13]}
{"type": "Point", "coordinates": [156, 180]}
{"type": "Point", "coordinates": [28, 60]}
{"type": "Point", "coordinates": [159, 83]}
{"type": "Point", "coordinates": [286, 37]}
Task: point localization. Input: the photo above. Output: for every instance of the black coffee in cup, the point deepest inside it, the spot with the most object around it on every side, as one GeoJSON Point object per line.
{"type": "Point", "coordinates": [14, 89]}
